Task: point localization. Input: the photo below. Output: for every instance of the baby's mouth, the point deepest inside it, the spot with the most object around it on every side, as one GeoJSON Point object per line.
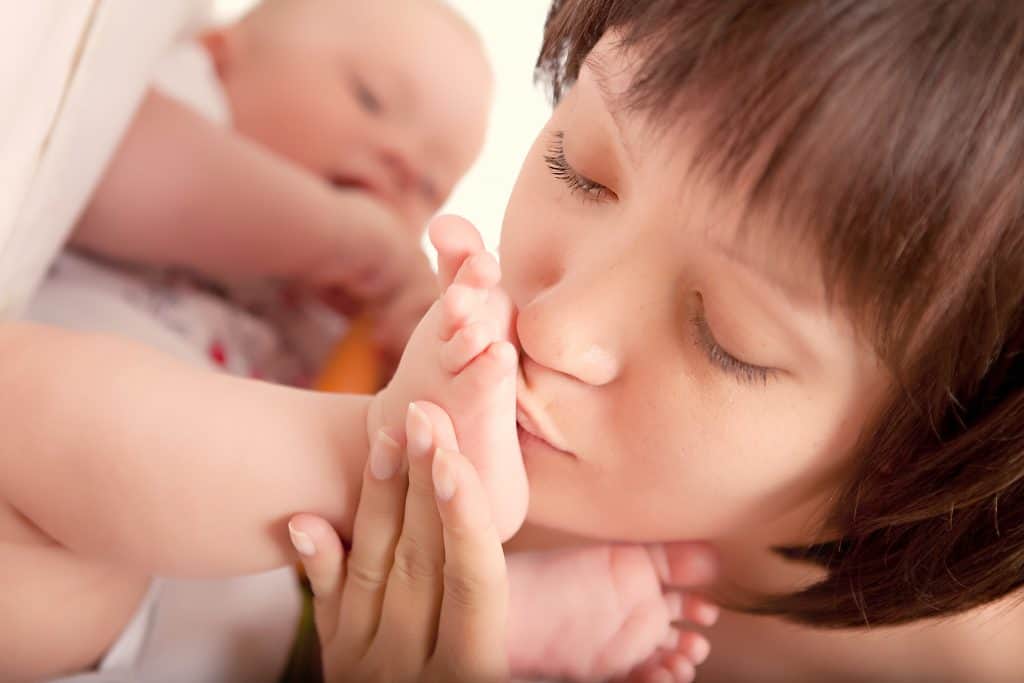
{"type": "Point", "coordinates": [343, 182]}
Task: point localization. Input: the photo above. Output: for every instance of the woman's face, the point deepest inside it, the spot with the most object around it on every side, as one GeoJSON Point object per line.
{"type": "Point", "coordinates": [697, 386]}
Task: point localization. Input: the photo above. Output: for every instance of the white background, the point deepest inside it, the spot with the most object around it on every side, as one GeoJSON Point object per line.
{"type": "Point", "coordinates": [511, 32]}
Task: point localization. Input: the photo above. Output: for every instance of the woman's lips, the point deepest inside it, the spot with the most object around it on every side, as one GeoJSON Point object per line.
{"type": "Point", "coordinates": [538, 429]}
{"type": "Point", "coordinates": [532, 419]}
{"type": "Point", "coordinates": [526, 423]}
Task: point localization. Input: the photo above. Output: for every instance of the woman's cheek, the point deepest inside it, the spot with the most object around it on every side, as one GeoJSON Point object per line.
{"type": "Point", "coordinates": [531, 231]}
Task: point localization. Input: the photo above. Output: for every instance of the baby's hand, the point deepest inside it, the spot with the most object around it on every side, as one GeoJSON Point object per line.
{"type": "Point", "coordinates": [460, 358]}
{"type": "Point", "coordinates": [597, 613]}
{"type": "Point", "coordinates": [374, 253]}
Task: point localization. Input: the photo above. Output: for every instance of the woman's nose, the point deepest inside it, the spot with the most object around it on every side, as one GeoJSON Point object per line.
{"type": "Point", "coordinates": [573, 326]}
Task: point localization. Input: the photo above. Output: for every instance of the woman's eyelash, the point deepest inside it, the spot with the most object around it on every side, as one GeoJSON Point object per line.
{"type": "Point", "coordinates": [752, 374]}
{"type": "Point", "coordinates": [558, 165]}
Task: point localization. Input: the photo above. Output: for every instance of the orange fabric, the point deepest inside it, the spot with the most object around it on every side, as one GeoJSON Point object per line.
{"type": "Point", "coordinates": [354, 367]}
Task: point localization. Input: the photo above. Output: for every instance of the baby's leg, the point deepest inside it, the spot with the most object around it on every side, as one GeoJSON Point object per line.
{"type": "Point", "coordinates": [81, 603]}
{"type": "Point", "coordinates": [120, 463]}
{"type": "Point", "coordinates": [61, 610]}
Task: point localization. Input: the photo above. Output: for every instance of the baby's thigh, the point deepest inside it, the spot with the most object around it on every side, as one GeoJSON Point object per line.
{"type": "Point", "coordinates": [61, 612]}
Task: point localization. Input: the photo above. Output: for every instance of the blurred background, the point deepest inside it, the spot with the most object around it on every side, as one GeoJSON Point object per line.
{"type": "Point", "coordinates": [511, 32]}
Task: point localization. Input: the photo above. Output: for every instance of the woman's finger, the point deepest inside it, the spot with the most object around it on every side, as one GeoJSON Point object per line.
{"type": "Point", "coordinates": [413, 600]}
{"type": "Point", "coordinates": [377, 526]}
{"type": "Point", "coordinates": [471, 633]}
{"type": "Point", "coordinates": [323, 559]}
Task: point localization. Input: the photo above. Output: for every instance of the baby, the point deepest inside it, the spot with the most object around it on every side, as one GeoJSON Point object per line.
{"type": "Point", "coordinates": [332, 131]}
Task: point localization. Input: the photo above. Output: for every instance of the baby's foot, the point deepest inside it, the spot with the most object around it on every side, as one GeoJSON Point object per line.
{"type": "Point", "coordinates": [602, 612]}
{"type": "Point", "coordinates": [480, 393]}
{"type": "Point", "coordinates": [460, 358]}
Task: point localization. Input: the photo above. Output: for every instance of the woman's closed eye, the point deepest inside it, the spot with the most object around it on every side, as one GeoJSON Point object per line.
{"type": "Point", "coordinates": [577, 183]}
{"type": "Point", "coordinates": [741, 370]}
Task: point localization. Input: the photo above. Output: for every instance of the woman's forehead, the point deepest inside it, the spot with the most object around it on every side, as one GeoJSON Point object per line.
{"type": "Point", "coordinates": [757, 240]}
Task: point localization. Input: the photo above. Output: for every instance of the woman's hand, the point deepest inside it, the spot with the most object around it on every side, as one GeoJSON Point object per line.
{"type": "Point", "coordinates": [423, 594]}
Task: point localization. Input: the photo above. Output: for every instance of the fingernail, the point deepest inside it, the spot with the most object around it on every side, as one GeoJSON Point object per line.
{"type": "Point", "coordinates": [302, 542]}
{"type": "Point", "coordinates": [443, 475]}
{"type": "Point", "coordinates": [418, 431]}
{"type": "Point", "coordinates": [384, 457]}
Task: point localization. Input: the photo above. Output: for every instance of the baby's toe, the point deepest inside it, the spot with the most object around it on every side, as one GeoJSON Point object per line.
{"type": "Point", "coordinates": [468, 343]}
{"type": "Point", "coordinates": [699, 610]}
{"type": "Point", "coordinates": [681, 668]}
{"type": "Point", "coordinates": [486, 373]}
{"type": "Point", "coordinates": [694, 647]}
{"type": "Point", "coordinates": [458, 304]}
{"type": "Point", "coordinates": [663, 667]}
{"type": "Point", "coordinates": [455, 239]}
{"type": "Point", "coordinates": [480, 270]}
{"type": "Point", "coordinates": [684, 564]}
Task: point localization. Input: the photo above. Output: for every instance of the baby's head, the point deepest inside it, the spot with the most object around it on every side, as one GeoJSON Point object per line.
{"type": "Point", "coordinates": [769, 265]}
{"type": "Point", "coordinates": [391, 96]}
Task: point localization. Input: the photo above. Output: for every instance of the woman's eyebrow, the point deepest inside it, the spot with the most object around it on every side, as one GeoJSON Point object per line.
{"type": "Point", "coordinates": [790, 288]}
{"type": "Point", "coordinates": [597, 66]}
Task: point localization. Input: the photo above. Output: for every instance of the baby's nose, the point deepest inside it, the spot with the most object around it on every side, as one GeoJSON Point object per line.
{"type": "Point", "coordinates": [402, 173]}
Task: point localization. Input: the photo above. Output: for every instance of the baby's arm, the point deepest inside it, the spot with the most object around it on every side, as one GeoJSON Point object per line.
{"type": "Point", "coordinates": [117, 452]}
{"type": "Point", "coordinates": [181, 190]}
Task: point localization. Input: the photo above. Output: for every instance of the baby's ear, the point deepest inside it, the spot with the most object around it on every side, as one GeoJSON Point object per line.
{"type": "Point", "coordinates": [221, 44]}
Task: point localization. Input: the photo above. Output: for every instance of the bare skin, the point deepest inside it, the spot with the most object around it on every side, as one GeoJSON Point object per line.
{"type": "Point", "coordinates": [65, 532]}
{"type": "Point", "coordinates": [600, 324]}
{"type": "Point", "coordinates": [582, 613]}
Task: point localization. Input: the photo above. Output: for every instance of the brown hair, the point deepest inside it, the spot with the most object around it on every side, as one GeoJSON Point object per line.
{"type": "Point", "coordinates": [889, 136]}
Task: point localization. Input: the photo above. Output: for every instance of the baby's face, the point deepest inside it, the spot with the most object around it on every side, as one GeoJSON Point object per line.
{"type": "Point", "coordinates": [391, 96]}
{"type": "Point", "coordinates": [696, 386]}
